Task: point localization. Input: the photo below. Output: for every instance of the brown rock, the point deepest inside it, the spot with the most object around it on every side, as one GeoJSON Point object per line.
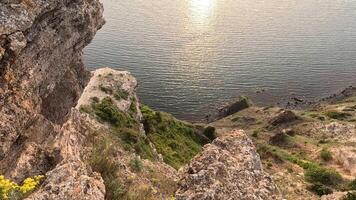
{"type": "Point", "coordinates": [283, 117]}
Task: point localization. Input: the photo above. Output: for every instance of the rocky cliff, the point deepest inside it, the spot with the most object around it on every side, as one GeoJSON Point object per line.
{"type": "Point", "coordinates": [41, 78]}
{"type": "Point", "coordinates": [86, 132]}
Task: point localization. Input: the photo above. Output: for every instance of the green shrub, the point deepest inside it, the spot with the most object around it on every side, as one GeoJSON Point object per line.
{"type": "Point", "coordinates": [352, 185]}
{"type": "Point", "coordinates": [350, 196]}
{"type": "Point", "coordinates": [124, 126]}
{"type": "Point", "coordinates": [338, 115]}
{"type": "Point", "coordinates": [175, 140]}
{"type": "Point", "coordinates": [121, 94]}
{"type": "Point", "coordinates": [106, 89]}
{"type": "Point", "coordinates": [210, 133]}
{"type": "Point", "coordinates": [101, 162]}
{"type": "Point", "coordinates": [255, 133]}
{"type": "Point", "coordinates": [324, 176]}
{"type": "Point", "coordinates": [107, 111]}
{"type": "Point", "coordinates": [320, 189]}
{"type": "Point", "coordinates": [325, 155]}
{"type": "Point", "coordinates": [235, 119]}
{"type": "Point", "coordinates": [136, 164]}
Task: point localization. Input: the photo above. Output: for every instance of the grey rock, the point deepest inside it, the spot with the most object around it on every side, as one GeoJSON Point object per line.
{"type": "Point", "coordinates": [229, 168]}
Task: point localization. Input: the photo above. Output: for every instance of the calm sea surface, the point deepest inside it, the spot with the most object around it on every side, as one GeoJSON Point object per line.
{"type": "Point", "coordinates": [191, 56]}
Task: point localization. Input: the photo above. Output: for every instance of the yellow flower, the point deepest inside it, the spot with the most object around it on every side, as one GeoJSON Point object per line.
{"type": "Point", "coordinates": [8, 187]}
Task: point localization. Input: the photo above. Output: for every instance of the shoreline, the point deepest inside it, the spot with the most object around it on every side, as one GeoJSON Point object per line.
{"type": "Point", "coordinates": [294, 102]}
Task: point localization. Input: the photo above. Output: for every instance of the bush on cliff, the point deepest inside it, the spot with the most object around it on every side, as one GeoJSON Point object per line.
{"type": "Point", "coordinates": [123, 125]}
{"type": "Point", "coordinates": [325, 155]}
{"type": "Point", "coordinates": [329, 177]}
{"type": "Point", "coordinates": [177, 141]}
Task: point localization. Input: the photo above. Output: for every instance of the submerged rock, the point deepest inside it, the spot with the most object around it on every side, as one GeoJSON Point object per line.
{"type": "Point", "coordinates": [229, 168]}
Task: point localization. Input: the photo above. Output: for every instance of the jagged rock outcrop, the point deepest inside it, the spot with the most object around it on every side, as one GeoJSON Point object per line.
{"type": "Point", "coordinates": [72, 178]}
{"type": "Point", "coordinates": [41, 78]}
{"type": "Point", "coordinates": [229, 168]}
{"type": "Point", "coordinates": [135, 165]}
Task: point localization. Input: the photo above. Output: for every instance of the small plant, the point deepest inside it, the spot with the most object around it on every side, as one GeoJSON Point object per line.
{"type": "Point", "coordinates": [100, 162]}
{"type": "Point", "coordinates": [325, 155]}
{"type": "Point", "coordinates": [290, 170]}
{"type": "Point", "coordinates": [352, 185]}
{"type": "Point", "coordinates": [338, 115]}
{"type": "Point", "coordinates": [235, 119]}
{"type": "Point", "coordinates": [210, 133]}
{"type": "Point", "coordinates": [106, 89]}
{"type": "Point", "coordinates": [95, 99]}
{"type": "Point", "coordinates": [320, 189]}
{"type": "Point", "coordinates": [350, 196]}
{"type": "Point", "coordinates": [255, 133]}
{"type": "Point", "coordinates": [136, 164]}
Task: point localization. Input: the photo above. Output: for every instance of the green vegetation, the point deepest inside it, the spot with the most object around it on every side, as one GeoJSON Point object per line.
{"type": "Point", "coordinates": [123, 126]}
{"type": "Point", "coordinates": [100, 161]}
{"type": "Point", "coordinates": [210, 133]}
{"type": "Point", "coordinates": [315, 115]}
{"type": "Point", "coordinates": [133, 107]}
{"type": "Point", "coordinates": [107, 111]}
{"type": "Point", "coordinates": [282, 139]}
{"type": "Point", "coordinates": [121, 94]}
{"type": "Point", "coordinates": [322, 179]}
{"type": "Point", "coordinates": [235, 119]}
{"type": "Point", "coordinates": [255, 133]}
{"type": "Point", "coordinates": [351, 185]}
{"type": "Point", "coordinates": [321, 175]}
{"type": "Point", "coordinates": [320, 189]}
{"type": "Point", "coordinates": [10, 190]}
{"type": "Point", "coordinates": [338, 115]}
{"type": "Point", "coordinates": [177, 141]}
{"type": "Point", "coordinates": [350, 196]}
{"type": "Point", "coordinates": [136, 164]}
{"type": "Point", "coordinates": [117, 93]}
{"type": "Point", "coordinates": [325, 155]}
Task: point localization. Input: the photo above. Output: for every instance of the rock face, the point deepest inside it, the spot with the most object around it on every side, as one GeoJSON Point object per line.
{"type": "Point", "coordinates": [41, 69]}
{"type": "Point", "coordinates": [41, 78]}
{"type": "Point", "coordinates": [229, 168]}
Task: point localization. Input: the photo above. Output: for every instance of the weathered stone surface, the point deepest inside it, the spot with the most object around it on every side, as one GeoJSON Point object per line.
{"type": "Point", "coordinates": [41, 78]}
{"type": "Point", "coordinates": [41, 75]}
{"type": "Point", "coordinates": [229, 168]}
{"type": "Point", "coordinates": [72, 178]}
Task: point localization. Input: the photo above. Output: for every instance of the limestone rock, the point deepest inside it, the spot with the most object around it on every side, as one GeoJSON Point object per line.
{"type": "Point", "coordinates": [229, 168]}
{"type": "Point", "coordinates": [41, 76]}
{"type": "Point", "coordinates": [72, 178]}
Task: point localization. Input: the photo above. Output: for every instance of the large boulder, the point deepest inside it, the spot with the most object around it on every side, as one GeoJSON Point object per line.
{"type": "Point", "coordinates": [228, 168]}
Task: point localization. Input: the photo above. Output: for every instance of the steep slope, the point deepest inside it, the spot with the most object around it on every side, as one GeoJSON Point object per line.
{"type": "Point", "coordinates": [310, 152]}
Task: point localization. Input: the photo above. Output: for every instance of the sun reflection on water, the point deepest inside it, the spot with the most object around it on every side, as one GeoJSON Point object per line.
{"type": "Point", "coordinates": [201, 12]}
